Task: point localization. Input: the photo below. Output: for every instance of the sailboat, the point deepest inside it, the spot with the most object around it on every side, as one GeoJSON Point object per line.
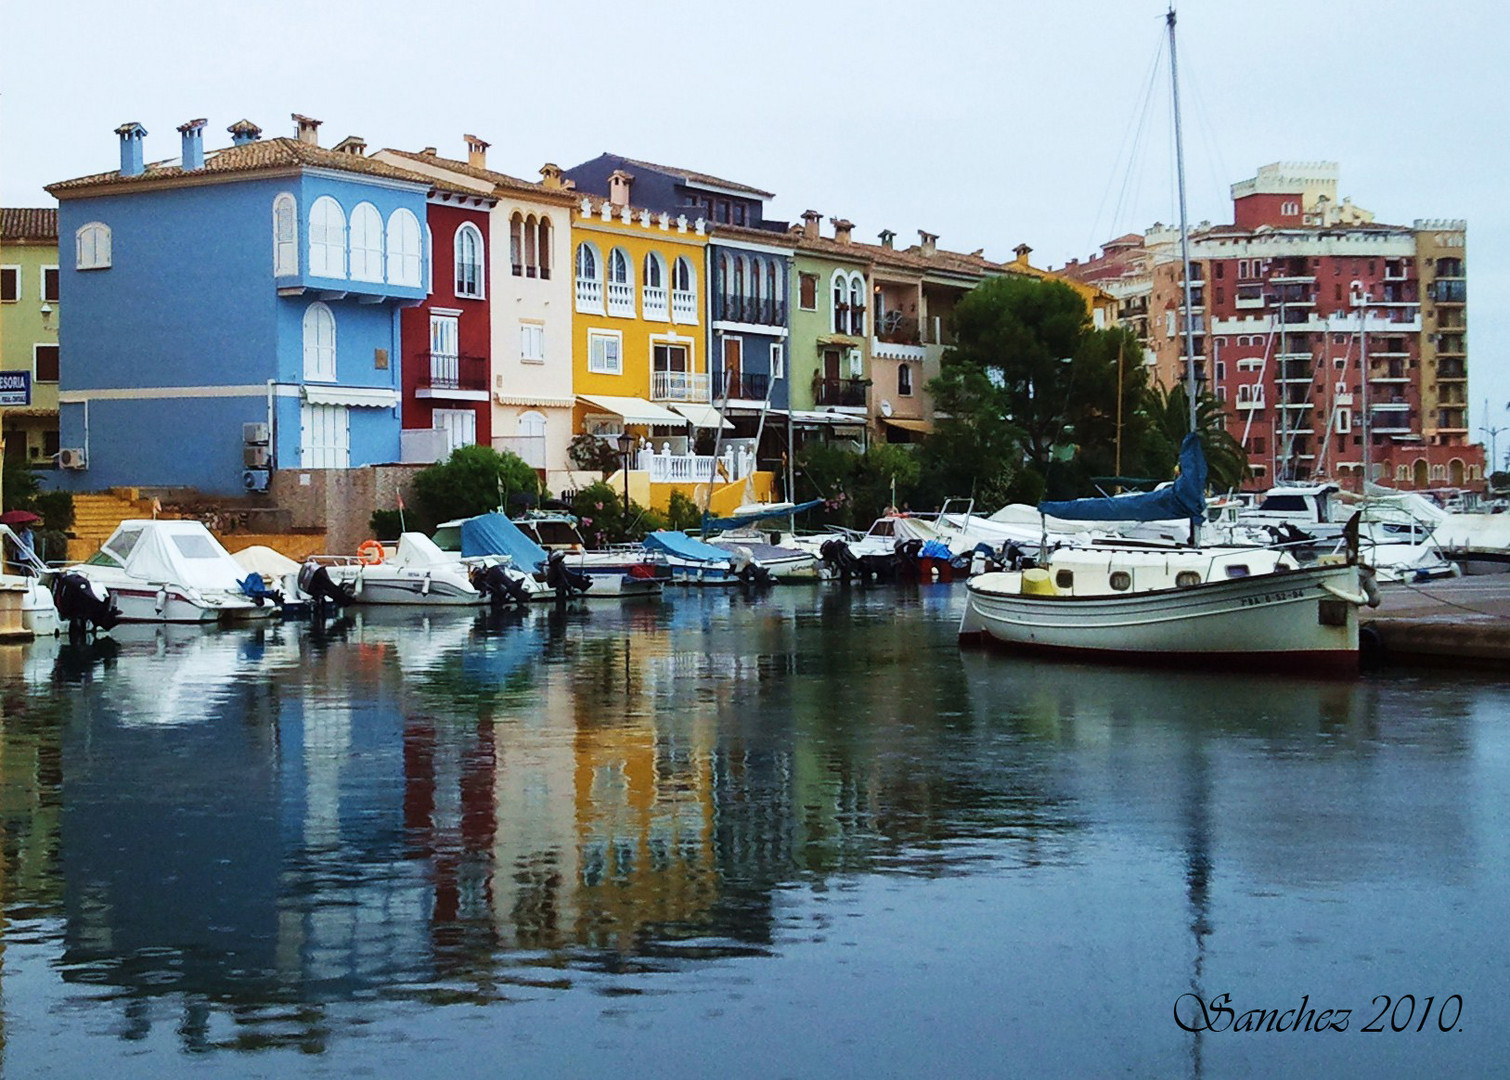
{"type": "Point", "coordinates": [1240, 607]}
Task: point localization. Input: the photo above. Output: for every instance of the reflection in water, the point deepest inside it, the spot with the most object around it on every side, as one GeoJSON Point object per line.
{"type": "Point", "coordinates": [256, 826]}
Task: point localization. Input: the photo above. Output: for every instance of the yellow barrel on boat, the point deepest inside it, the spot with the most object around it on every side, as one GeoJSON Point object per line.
{"type": "Point", "coordinates": [1036, 582]}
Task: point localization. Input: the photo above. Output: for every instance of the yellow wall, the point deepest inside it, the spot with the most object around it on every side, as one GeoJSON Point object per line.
{"type": "Point", "coordinates": [638, 238]}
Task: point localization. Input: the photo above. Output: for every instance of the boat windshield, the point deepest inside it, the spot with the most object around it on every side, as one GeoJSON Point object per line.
{"type": "Point", "coordinates": [118, 548]}
{"type": "Point", "coordinates": [552, 534]}
{"type": "Point", "coordinates": [194, 546]}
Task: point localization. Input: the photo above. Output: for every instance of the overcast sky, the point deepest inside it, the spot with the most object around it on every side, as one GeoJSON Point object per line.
{"type": "Point", "coordinates": [990, 123]}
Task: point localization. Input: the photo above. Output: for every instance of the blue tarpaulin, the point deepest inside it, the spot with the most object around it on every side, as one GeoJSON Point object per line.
{"type": "Point", "coordinates": [735, 521]}
{"type": "Point", "coordinates": [494, 534]}
{"type": "Point", "coordinates": [684, 547]}
{"type": "Point", "coordinates": [1185, 498]}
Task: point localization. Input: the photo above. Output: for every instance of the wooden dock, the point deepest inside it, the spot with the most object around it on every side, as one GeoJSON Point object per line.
{"type": "Point", "coordinates": [1453, 622]}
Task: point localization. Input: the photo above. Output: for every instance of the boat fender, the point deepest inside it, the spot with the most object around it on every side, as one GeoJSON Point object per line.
{"type": "Point", "coordinates": [162, 600]}
{"type": "Point", "coordinates": [1357, 599]}
{"type": "Point", "coordinates": [1370, 587]}
{"type": "Point", "coordinates": [424, 589]}
{"type": "Point", "coordinates": [369, 552]}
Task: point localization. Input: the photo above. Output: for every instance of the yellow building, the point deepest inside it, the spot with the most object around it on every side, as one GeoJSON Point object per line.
{"type": "Point", "coordinates": [1100, 304]}
{"type": "Point", "coordinates": [29, 316]}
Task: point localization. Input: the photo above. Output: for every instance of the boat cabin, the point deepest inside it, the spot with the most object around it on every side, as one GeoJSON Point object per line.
{"type": "Point", "coordinates": [1116, 572]}
{"type": "Point", "coordinates": [1298, 504]}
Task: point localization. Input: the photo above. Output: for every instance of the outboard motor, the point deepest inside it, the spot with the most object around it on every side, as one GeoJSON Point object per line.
{"type": "Point", "coordinates": [840, 561]}
{"type": "Point", "coordinates": [566, 581]}
{"type": "Point", "coordinates": [905, 564]}
{"type": "Point", "coordinates": [1014, 558]}
{"type": "Point", "coordinates": [315, 582]}
{"type": "Point", "coordinates": [499, 586]}
{"type": "Point", "coordinates": [743, 565]}
{"type": "Point", "coordinates": [81, 606]}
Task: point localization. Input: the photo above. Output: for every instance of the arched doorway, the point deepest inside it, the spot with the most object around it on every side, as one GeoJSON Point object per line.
{"type": "Point", "coordinates": [1420, 478]}
{"type": "Point", "coordinates": [1455, 472]}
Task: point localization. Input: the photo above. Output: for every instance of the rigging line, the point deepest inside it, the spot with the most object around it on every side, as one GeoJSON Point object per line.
{"type": "Point", "coordinates": [1137, 162]}
{"type": "Point", "coordinates": [1214, 159]}
{"type": "Point", "coordinates": [1131, 141]}
{"type": "Point", "coordinates": [1452, 603]}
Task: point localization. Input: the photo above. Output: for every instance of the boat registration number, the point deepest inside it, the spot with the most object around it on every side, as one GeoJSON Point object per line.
{"type": "Point", "coordinates": [1273, 597]}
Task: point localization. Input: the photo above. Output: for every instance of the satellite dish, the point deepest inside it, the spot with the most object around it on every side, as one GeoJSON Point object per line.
{"type": "Point", "coordinates": [885, 407]}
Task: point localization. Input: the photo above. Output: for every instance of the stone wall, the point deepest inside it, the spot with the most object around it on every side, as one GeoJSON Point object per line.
{"type": "Point", "coordinates": [341, 501]}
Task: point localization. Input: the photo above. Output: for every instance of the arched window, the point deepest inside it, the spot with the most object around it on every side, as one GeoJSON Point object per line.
{"type": "Point", "coordinates": [841, 304]}
{"type": "Point", "coordinates": [285, 236]}
{"type": "Point", "coordinates": [904, 381]}
{"type": "Point", "coordinates": [469, 255]}
{"type": "Point", "coordinates": [516, 244]}
{"type": "Point", "coordinates": [683, 291]}
{"type": "Point", "coordinates": [589, 279]}
{"type": "Point", "coordinates": [857, 305]}
{"type": "Point", "coordinates": [92, 242]}
{"type": "Point", "coordinates": [739, 279]}
{"type": "Point", "coordinates": [319, 343]}
{"type": "Point", "coordinates": [653, 297]}
{"type": "Point", "coordinates": [366, 243]}
{"type": "Point", "coordinates": [404, 254]}
{"type": "Point", "coordinates": [620, 283]}
{"type": "Point", "coordinates": [327, 239]}
{"type": "Point", "coordinates": [655, 272]}
{"type": "Point", "coordinates": [429, 260]}
{"type": "Point", "coordinates": [531, 247]}
{"type": "Point", "coordinates": [544, 246]}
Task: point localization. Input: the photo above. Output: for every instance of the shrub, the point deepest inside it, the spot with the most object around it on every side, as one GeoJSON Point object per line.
{"type": "Point", "coordinates": [473, 480]}
{"type": "Point", "coordinates": [592, 454]}
{"type": "Point", "coordinates": [388, 524]}
{"type": "Point", "coordinates": [683, 513]}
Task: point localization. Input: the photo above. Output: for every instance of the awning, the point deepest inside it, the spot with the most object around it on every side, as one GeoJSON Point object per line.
{"type": "Point", "coordinates": [635, 410]}
{"type": "Point", "coordinates": [703, 416]}
{"type": "Point", "coordinates": [922, 426]}
{"type": "Point", "coordinates": [361, 396]}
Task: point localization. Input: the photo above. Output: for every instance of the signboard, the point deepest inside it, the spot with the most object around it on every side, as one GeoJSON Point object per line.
{"type": "Point", "coordinates": [15, 388]}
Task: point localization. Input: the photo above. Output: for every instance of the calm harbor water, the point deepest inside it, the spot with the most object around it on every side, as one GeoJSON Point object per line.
{"type": "Point", "coordinates": [795, 835]}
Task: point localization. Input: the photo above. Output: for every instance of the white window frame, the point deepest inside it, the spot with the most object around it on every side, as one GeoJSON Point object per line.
{"type": "Point", "coordinates": [364, 233]}
{"type": "Point", "coordinates": [904, 369]}
{"type": "Point", "coordinates": [461, 424]}
{"type": "Point", "coordinates": [683, 273]}
{"type": "Point", "coordinates": [597, 352]}
{"type": "Point", "coordinates": [406, 255]}
{"type": "Point", "coordinates": [475, 290]}
{"type": "Point", "coordinates": [285, 235]}
{"type": "Point", "coordinates": [319, 360]}
{"type": "Point", "coordinates": [838, 291]}
{"type": "Point", "coordinates": [42, 284]}
{"type": "Point", "coordinates": [16, 272]}
{"type": "Point", "coordinates": [531, 342]}
{"type": "Point", "coordinates": [327, 238]}
{"type": "Point", "coordinates": [857, 310]}
{"type": "Point", "coordinates": [584, 303]}
{"type": "Point", "coordinates": [778, 361]}
{"type": "Point", "coordinates": [92, 246]}
{"type": "Point", "coordinates": [1344, 422]}
{"type": "Point", "coordinates": [619, 255]}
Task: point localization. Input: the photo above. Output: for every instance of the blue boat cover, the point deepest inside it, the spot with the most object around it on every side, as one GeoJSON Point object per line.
{"type": "Point", "coordinates": [737, 520]}
{"type": "Point", "coordinates": [1185, 498]}
{"type": "Point", "coordinates": [685, 547]}
{"type": "Point", "coordinates": [494, 534]}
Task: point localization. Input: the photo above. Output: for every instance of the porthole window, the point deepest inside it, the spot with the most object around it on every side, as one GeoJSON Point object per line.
{"type": "Point", "coordinates": [1121, 580]}
{"type": "Point", "coordinates": [1064, 579]}
{"type": "Point", "coordinates": [1236, 570]}
{"type": "Point", "coordinates": [1186, 578]}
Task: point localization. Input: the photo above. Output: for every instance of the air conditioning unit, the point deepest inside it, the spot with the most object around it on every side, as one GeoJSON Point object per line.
{"type": "Point", "coordinates": [72, 458]}
{"type": "Point", "coordinates": [255, 457]}
{"type": "Point", "coordinates": [254, 434]}
{"type": "Point", "coordinates": [255, 479]}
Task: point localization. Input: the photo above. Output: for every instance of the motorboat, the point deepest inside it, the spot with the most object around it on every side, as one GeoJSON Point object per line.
{"type": "Point", "coordinates": [529, 545]}
{"type": "Point", "coordinates": [172, 571]}
{"type": "Point", "coordinates": [1291, 509]}
{"type": "Point", "coordinates": [694, 562]}
{"type": "Point", "coordinates": [786, 563]}
{"type": "Point", "coordinates": [1478, 543]}
{"type": "Point", "coordinates": [415, 571]}
{"type": "Point", "coordinates": [1244, 608]}
{"type": "Point", "coordinates": [39, 615]}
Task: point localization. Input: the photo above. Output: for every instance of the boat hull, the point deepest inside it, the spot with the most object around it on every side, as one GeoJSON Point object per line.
{"type": "Point", "coordinates": [148, 605]}
{"type": "Point", "coordinates": [1287, 620]}
{"type": "Point", "coordinates": [418, 588]}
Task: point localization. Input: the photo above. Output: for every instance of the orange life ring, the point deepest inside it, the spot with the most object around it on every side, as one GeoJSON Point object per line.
{"type": "Point", "coordinates": [370, 553]}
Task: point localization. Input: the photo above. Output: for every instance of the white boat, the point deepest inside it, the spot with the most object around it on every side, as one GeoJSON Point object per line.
{"type": "Point", "coordinates": [527, 544]}
{"type": "Point", "coordinates": [39, 615]}
{"type": "Point", "coordinates": [1479, 543]}
{"type": "Point", "coordinates": [415, 572]}
{"type": "Point", "coordinates": [785, 563]}
{"type": "Point", "coordinates": [171, 571]}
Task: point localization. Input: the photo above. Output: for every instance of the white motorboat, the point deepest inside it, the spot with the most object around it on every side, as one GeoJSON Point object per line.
{"type": "Point", "coordinates": [528, 544]}
{"type": "Point", "coordinates": [785, 563]}
{"type": "Point", "coordinates": [416, 572]}
{"type": "Point", "coordinates": [171, 571]}
{"type": "Point", "coordinates": [1479, 543]}
{"type": "Point", "coordinates": [39, 615]}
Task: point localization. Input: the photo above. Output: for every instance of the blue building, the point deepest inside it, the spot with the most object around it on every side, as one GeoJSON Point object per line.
{"type": "Point", "coordinates": [236, 311]}
{"type": "Point", "coordinates": [750, 259]}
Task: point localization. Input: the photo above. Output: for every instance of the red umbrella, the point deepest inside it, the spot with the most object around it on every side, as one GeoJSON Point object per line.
{"type": "Point", "coordinates": [17, 518]}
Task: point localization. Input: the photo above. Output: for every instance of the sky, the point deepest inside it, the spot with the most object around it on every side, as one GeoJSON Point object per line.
{"type": "Point", "coordinates": [991, 123]}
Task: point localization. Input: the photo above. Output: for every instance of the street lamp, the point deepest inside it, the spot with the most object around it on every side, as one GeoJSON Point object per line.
{"type": "Point", "coordinates": [626, 446]}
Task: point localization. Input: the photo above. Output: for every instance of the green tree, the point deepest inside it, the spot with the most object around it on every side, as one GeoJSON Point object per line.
{"type": "Point", "coordinates": [1169, 410]}
{"type": "Point", "coordinates": [592, 454]}
{"type": "Point", "coordinates": [473, 480]}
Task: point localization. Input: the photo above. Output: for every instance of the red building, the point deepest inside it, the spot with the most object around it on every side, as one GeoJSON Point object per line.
{"type": "Point", "coordinates": [447, 339]}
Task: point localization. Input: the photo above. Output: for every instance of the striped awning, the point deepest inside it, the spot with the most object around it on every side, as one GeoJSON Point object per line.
{"type": "Point", "coordinates": [635, 410]}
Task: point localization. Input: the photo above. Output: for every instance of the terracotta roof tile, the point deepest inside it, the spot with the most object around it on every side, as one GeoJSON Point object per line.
{"type": "Point", "coordinates": [264, 154]}
{"type": "Point", "coordinates": [497, 179]}
{"type": "Point", "coordinates": [757, 236]}
{"type": "Point", "coordinates": [29, 223]}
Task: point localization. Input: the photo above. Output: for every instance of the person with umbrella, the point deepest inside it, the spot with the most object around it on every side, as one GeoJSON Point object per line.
{"type": "Point", "coordinates": [20, 523]}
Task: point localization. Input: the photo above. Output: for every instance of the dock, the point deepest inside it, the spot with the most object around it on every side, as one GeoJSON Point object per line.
{"type": "Point", "coordinates": [1452, 622]}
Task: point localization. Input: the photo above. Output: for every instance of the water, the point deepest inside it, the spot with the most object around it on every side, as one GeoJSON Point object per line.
{"type": "Point", "coordinates": [800, 835]}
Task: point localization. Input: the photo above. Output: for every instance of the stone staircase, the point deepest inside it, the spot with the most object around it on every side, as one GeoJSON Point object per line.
{"type": "Point", "coordinates": [96, 516]}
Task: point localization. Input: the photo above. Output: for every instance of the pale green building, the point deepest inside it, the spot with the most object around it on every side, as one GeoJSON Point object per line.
{"type": "Point", "coordinates": [29, 315]}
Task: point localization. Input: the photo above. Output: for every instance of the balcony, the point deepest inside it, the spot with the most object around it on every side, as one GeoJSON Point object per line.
{"type": "Point", "coordinates": [452, 377]}
{"type": "Point", "coordinates": [683, 306]}
{"type": "Point", "coordinates": [590, 295]}
{"type": "Point", "coordinates": [1449, 291]}
{"type": "Point", "coordinates": [847, 393]}
{"type": "Point", "coordinates": [1250, 296]}
{"type": "Point", "coordinates": [621, 299]}
{"type": "Point", "coordinates": [1297, 371]}
{"type": "Point", "coordinates": [741, 387]}
{"type": "Point", "coordinates": [763, 311]}
{"type": "Point", "coordinates": [653, 303]}
{"type": "Point", "coordinates": [1451, 369]}
{"type": "Point", "coordinates": [679, 386]}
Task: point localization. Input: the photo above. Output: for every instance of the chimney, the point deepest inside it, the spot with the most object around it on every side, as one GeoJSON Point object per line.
{"type": "Point", "coordinates": [352, 144]}
{"type": "Point", "coordinates": [131, 134]}
{"type": "Point", "coordinates": [193, 144]}
{"type": "Point", "coordinates": [810, 221]}
{"type": "Point", "coordinates": [428, 151]}
{"type": "Point", "coordinates": [842, 228]}
{"type": "Point", "coordinates": [308, 131]}
{"type": "Point", "coordinates": [618, 187]}
{"type": "Point", "coordinates": [550, 175]}
{"type": "Point", "coordinates": [243, 132]}
{"type": "Point", "coordinates": [1022, 251]}
{"type": "Point", "coordinates": [930, 241]}
{"type": "Point", "coordinates": [887, 238]}
{"type": "Point", "coordinates": [477, 152]}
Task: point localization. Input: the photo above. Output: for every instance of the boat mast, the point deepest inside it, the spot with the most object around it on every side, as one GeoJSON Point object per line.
{"type": "Point", "coordinates": [1179, 151]}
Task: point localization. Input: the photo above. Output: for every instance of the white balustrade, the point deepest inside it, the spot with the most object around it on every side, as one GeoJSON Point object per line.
{"type": "Point", "coordinates": [589, 294]}
{"type": "Point", "coordinates": [620, 298]}
{"type": "Point", "coordinates": [667, 468]}
{"type": "Point", "coordinates": [654, 300]}
{"type": "Point", "coordinates": [683, 306]}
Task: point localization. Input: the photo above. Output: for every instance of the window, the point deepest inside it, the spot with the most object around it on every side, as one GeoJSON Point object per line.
{"type": "Point", "coordinates": [653, 295]}
{"type": "Point", "coordinates": [45, 362]}
{"type": "Point", "coordinates": [404, 254]}
{"type": "Point", "coordinates": [327, 238]}
{"type": "Point", "coordinates": [620, 284]}
{"type": "Point", "coordinates": [655, 273]}
{"type": "Point", "coordinates": [459, 424]}
{"type": "Point", "coordinates": [531, 247]}
{"type": "Point", "coordinates": [1121, 580]}
{"type": "Point", "coordinates": [683, 291]}
{"type": "Point", "coordinates": [807, 291]}
{"type": "Point", "coordinates": [532, 343]}
{"type": "Point", "coordinates": [516, 244]}
{"type": "Point", "coordinates": [445, 359]}
{"type": "Point", "coordinates": [469, 275]}
{"type": "Point", "coordinates": [856, 305]}
{"type": "Point", "coordinates": [285, 236]}
{"type": "Point", "coordinates": [366, 243]}
{"type": "Point", "coordinates": [778, 361]}
{"type": "Point", "coordinates": [603, 354]}
{"type": "Point", "coordinates": [324, 437]}
{"type": "Point", "coordinates": [92, 246]}
{"type": "Point", "coordinates": [589, 279]}
{"type": "Point", "coordinates": [840, 323]}
{"type": "Point", "coordinates": [319, 344]}
{"type": "Point", "coordinates": [531, 428]}
{"type": "Point", "coordinates": [1344, 425]}
{"type": "Point", "coordinates": [10, 284]}
{"type": "Point", "coordinates": [429, 261]}
{"type": "Point", "coordinates": [543, 246]}
{"type": "Point", "coordinates": [904, 381]}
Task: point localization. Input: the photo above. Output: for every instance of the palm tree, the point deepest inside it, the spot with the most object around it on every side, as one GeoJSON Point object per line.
{"type": "Point", "coordinates": [1226, 460]}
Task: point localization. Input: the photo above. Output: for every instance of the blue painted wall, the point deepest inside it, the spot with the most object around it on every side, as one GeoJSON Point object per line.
{"type": "Point", "coordinates": [756, 348]}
